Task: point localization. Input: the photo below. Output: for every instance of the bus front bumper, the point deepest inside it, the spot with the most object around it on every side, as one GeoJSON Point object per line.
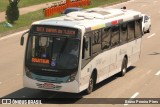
{"type": "Point", "coordinates": [72, 87]}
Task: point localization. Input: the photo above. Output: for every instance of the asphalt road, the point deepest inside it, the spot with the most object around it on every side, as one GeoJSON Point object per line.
{"type": "Point", "coordinates": [141, 81]}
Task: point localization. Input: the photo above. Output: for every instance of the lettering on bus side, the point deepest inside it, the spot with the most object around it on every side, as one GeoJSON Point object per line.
{"type": "Point", "coordinates": [38, 60]}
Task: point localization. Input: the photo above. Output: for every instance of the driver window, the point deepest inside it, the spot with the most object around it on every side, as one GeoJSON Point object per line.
{"type": "Point", "coordinates": [87, 51]}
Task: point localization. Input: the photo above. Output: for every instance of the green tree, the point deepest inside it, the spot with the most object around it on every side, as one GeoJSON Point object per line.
{"type": "Point", "coordinates": [12, 12]}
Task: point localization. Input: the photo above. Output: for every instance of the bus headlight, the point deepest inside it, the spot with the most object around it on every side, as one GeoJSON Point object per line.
{"type": "Point", "coordinates": [28, 73]}
{"type": "Point", "coordinates": [72, 77]}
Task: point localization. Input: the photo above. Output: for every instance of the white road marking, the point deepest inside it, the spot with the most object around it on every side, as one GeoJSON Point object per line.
{"type": "Point", "coordinates": [133, 96]}
{"type": "Point", "coordinates": [12, 35]}
{"type": "Point", "coordinates": [151, 35]}
{"type": "Point", "coordinates": [158, 73]}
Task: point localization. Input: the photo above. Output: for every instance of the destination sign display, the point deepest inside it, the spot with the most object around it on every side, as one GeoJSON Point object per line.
{"type": "Point", "coordinates": [38, 60]}
{"type": "Point", "coordinates": [54, 30]}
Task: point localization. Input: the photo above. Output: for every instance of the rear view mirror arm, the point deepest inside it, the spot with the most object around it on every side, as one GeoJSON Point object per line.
{"type": "Point", "coordinates": [22, 38]}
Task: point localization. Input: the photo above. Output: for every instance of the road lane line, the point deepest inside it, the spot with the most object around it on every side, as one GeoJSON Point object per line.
{"type": "Point", "coordinates": [135, 95]}
{"type": "Point", "coordinates": [12, 35]}
{"type": "Point", "coordinates": [132, 97]}
{"type": "Point", "coordinates": [158, 73]}
{"type": "Point", "coordinates": [151, 35]}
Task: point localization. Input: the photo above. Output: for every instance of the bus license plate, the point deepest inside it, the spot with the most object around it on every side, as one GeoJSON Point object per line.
{"type": "Point", "coordinates": [48, 85]}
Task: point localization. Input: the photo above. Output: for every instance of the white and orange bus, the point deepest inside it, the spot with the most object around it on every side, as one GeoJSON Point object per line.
{"type": "Point", "coordinates": [74, 52]}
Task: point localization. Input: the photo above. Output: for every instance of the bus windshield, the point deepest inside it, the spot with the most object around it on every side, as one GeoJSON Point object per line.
{"type": "Point", "coordinates": [57, 52]}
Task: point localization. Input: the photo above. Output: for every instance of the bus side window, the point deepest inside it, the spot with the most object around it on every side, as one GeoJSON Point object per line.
{"type": "Point", "coordinates": [115, 36]}
{"type": "Point", "coordinates": [106, 38]}
{"type": "Point", "coordinates": [96, 41]}
{"type": "Point", "coordinates": [86, 48]}
{"type": "Point", "coordinates": [123, 33]}
{"type": "Point", "coordinates": [138, 28]}
{"type": "Point", "coordinates": [131, 30]}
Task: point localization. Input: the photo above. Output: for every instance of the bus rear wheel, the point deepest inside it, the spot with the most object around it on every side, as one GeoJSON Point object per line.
{"type": "Point", "coordinates": [124, 67]}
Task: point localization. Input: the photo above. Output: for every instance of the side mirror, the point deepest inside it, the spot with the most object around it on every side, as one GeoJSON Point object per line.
{"type": "Point", "coordinates": [22, 41]}
{"type": "Point", "coordinates": [22, 38]}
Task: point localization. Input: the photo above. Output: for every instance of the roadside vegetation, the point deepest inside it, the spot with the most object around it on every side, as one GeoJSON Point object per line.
{"type": "Point", "coordinates": [22, 3]}
{"type": "Point", "coordinates": [95, 3]}
{"type": "Point", "coordinates": [26, 20]}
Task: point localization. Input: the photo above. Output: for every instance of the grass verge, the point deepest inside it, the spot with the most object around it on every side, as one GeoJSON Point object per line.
{"type": "Point", "coordinates": [22, 3]}
{"type": "Point", "coordinates": [25, 20]}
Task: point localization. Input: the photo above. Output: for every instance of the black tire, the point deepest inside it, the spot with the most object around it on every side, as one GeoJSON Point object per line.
{"type": "Point", "coordinates": [91, 85]}
{"type": "Point", "coordinates": [149, 30]}
{"type": "Point", "coordinates": [124, 67]}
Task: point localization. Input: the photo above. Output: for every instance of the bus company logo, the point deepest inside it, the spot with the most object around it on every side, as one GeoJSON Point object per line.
{"type": "Point", "coordinates": [53, 63]}
{"type": "Point", "coordinates": [6, 101]}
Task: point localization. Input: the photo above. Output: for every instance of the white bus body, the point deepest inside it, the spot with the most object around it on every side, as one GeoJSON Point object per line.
{"type": "Point", "coordinates": [106, 40]}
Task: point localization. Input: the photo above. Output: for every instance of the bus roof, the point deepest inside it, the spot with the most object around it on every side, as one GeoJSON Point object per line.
{"type": "Point", "coordinates": [92, 19]}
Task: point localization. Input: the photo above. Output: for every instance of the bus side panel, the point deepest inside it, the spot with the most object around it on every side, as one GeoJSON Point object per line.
{"type": "Point", "coordinates": [113, 63]}
{"type": "Point", "coordinates": [84, 76]}
{"type": "Point", "coordinates": [104, 61]}
{"type": "Point", "coordinates": [130, 46]}
{"type": "Point", "coordinates": [101, 63]}
{"type": "Point", "coordinates": [136, 49]}
{"type": "Point", "coordinates": [109, 62]}
{"type": "Point", "coordinates": [120, 55]}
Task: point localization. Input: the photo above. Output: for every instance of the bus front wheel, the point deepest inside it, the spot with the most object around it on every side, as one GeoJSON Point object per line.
{"type": "Point", "coordinates": [91, 85]}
